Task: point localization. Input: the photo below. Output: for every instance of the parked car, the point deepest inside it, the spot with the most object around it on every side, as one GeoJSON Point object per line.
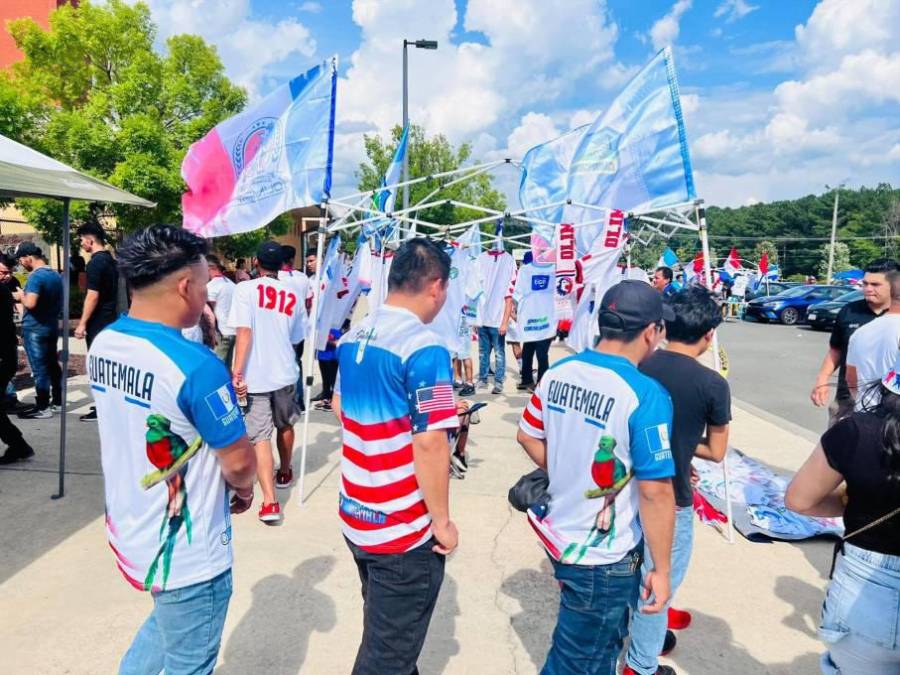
{"type": "Point", "coordinates": [774, 288]}
{"type": "Point", "coordinates": [821, 315]}
{"type": "Point", "coordinates": [790, 306]}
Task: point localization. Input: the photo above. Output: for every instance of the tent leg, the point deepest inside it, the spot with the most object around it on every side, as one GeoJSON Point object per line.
{"type": "Point", "coordinates": [311, 350]}
{"type": "Point", "coordinates": [707, 275]}
{"type": "Point", "coordinates": [64, 355]}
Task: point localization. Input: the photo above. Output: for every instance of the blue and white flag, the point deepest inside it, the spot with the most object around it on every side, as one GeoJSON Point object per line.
{"type": "Point", "coordinates": [275, 156]}
{"type": "Point", "coordinates": [384, 200]}
{"type": "Point", "coordinates": [498, 235]}
{"type": "Point", "coordinates": [667, 259]}
{"type": "Point", "coordinates": [634, 157]}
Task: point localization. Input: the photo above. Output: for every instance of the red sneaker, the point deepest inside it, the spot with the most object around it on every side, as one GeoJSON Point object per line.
{"type": "Point", "coordinates": [679, 619]}
{"type": "Point", "coordinates": [270, 513]}
{"type": "Point", "coordinates": [284, 479]}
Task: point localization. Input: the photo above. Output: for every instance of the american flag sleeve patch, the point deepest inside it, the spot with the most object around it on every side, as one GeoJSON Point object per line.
{"type": "Point", "coordinates": [433, 399]}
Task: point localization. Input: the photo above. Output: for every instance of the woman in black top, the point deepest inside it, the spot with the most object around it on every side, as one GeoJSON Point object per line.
{"type": "Point", "coordinates": [861, 615]}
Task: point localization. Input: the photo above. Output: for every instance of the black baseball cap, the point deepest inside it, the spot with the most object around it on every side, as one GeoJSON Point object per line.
{"type": "Point", "coordinates": [28, 248]}
{"type": "Point", "coordinates": [633, 304]}
{"type": "Point", "coordinates": [269, 255]}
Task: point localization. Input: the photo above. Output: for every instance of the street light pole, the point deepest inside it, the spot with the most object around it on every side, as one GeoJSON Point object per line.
{"type": "Point", "coordinates": [418, 44]}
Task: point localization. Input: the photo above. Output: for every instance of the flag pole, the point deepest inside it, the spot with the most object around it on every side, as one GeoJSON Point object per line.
{"type": "Point", "coordinates": [307, 394]}
{"type": "Point", "coordinates": [707, 274]}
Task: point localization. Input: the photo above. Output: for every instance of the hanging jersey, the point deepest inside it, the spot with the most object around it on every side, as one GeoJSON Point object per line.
{"type": "Point", "coordinates": [605, 424]}
{"type": "Point", "coordinates": [274, 313]}
{"type": "Point", "coordinates": [454, 322]}
{"type": "Point", "coordinates": [299, 283]}
{"type": "Point", "coordinates": [220, 291]}
{"type": "Point", "coordinates": [498, 273]}
{"type": "Point", "coordinates": [381, 269]}
{"type": "Point", "coordinates": [535, 297]}
{"type": "Point", "coordinates": [163, 405]}
{"type": "Point", "coordinates": [394, 380]}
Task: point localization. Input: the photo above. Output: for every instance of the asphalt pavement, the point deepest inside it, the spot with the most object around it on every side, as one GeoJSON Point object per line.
{"type": "Point", "coordinates": [772, 367]}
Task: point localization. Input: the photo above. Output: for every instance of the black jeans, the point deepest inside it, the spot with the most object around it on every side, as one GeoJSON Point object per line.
{"type": "Point", "coordinates": [9, 432]}
{"type": "Point", "coordinates": [329, 370]}
{"type": "Point", "coordinates": [529, 349]}
{"type": "Point", "coordinates": [399, 594]}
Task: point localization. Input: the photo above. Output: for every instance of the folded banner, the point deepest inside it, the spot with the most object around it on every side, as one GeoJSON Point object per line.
{"type": "Point", "coordinates": [634, 157]}
{"type": "Point", "coordinates": [274, 156]}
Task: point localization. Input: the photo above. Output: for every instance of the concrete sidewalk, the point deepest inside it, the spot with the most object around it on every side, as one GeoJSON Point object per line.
{"type": "Point", "coordinates": [64, 608]}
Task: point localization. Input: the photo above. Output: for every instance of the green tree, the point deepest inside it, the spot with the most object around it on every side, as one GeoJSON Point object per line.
{"type": "Point", "coordinates": [841, 260]}
{"type": "Point", "coordinates": [429, 156]}
{"type": "Point", "coordinates": [92, 92]}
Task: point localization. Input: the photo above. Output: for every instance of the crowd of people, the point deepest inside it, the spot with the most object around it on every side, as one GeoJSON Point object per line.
{"type": "Point", "coordinates": [205, 369]}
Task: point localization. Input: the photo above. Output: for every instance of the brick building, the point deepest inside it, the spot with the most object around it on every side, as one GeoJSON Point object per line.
{"type": "Point", "coordinates": [39, 10]}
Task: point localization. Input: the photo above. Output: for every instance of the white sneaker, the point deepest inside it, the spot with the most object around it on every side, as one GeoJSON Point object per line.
{"type": "Point", "coordinates": [56, 408]}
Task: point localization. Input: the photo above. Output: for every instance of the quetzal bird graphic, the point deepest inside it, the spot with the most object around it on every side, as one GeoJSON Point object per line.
{"type": "Point", "coordinates": [169, 453]}
{"type": "Point", "coordinates": [609, 475]}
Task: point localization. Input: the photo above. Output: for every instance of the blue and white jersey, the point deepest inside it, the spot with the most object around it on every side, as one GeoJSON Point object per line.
{"type": "Point", "coordinates": [605, 424]}
{"type": "Point", "coordinates": [394, 381]}
{"type": "Point", "coordinates": [163, 405]}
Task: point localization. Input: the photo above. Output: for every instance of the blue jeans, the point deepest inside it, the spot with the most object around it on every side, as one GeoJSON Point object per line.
{"type": "Point", "coordinates": [859, 622]}
{"type": "Point", "coordinates": [648, 631]}
{"type": "Point", "coordinates": [489, 338]}
{"type": "Point", "coordinates": [40, 347]}
{"type": "Point", "coordinates": [183, 632]}
{"type": "Point", "coordinates": [593, 615]}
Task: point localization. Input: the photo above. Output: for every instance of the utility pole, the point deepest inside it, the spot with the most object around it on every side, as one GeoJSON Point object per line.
{"type": "Point", "coordinates": [837, 194]}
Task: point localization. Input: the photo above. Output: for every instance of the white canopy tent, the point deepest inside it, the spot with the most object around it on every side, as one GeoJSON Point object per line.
{"type": "Point", "coordinates": [27, 173]}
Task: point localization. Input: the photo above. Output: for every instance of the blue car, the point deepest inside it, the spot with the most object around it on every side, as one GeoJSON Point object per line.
{"type": "Point", "coordinates": [790, 306]}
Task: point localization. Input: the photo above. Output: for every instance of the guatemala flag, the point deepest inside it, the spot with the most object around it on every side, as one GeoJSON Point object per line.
{"type": "Point", "coordinates": [667, 259]}
{"type": "Point", "coordinates": [634, 157]}
{"type": "Point", "coordinates": [274, 156]}
{"type": "Point", "coordinates": [384, 200]}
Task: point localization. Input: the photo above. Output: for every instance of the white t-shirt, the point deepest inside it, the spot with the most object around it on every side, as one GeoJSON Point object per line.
{"type": "Point", "coordinates": [498, 272]}
{"type": "Point", "coordinates": [380, 270]}
{"type": "Point", "coordinates": [453, 323]}
{"type": "Point", "coordinates": [302, 287]}
{"type": "Point", "coordinates": [873, 352]}
{"type": "Point", "coordinates": [274, 314]}
{"type": "Point", "coordinates": [220, 291]}
{"type": "Point", "coordinates": [535, 296]}
{"type": "Point", "coordinates": [163, 405]}
{"type": "Point", "coordinates": [605, 424]}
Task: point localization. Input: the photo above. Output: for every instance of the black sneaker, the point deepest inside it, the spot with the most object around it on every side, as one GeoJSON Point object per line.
{"type": "Point", "coordinates": [89, 417]}
{"type": "Point", "coordinates": [467, 390]}
{"type": "Point", "coordinates": [666, 670]}
{"type": "Point", "coordinates": [668, 644]}
{"type": "Point", "coordinates": [36, 414]}
{"type": "Point", "coordinates": [318, 397]}
{"type": "Point", "coordinates": [13, 455]}
{"type": "Point", "coordinates": [522, 386]}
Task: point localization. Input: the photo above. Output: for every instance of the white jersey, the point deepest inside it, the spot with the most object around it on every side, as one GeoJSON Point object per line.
{"type": "Point", "coordinates": [873, 352]}
{"type": "Point", "coordinates": [341, 293]}
{"type": "Point", "coordinates": [303, 288]}
{"type": "Point", "coordinates": [163, 405]}
{"type": "Point", "coordinates": [498, 273]}
{"type": "Point", "coordinates": [380, 270]}
{"type": "Point", "coordinates": [535, 297]}
{"type": "Point", "coordinates": [605, 424]}
{"type": "Point", "coordinates": [454, 322]}
{"type": "Point", "coordinates": [220, 290]}
{"type": "Point", "coordinates": [274, 314]}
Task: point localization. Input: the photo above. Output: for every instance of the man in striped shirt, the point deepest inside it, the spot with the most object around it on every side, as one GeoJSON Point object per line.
{"type": "Point", "coordinates": [394, 398]}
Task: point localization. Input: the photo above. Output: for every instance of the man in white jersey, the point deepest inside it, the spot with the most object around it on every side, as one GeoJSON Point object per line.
{"type": "Point", "coordinates": [601, 429]}
{"type": "Point", "coordinates": [395, 402]}
{"type": "Point", "coordinates": [498, 273]}
{"type": "Point", "coordinates": [303, 289]}
{"type": "Point", "coordinates": [267, 315]}
{"type": "Point", "coordinates": [873, 350]}
{"type": "Point", "coordinates": [172, 441]}
{"type": "Point", "coordinates": [219, 291]}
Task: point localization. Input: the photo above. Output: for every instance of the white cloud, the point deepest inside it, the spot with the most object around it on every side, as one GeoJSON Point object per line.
{"type": "Point", "coordinates": [249, 47]}
{"type": "Point", "coordinates": [665, 31]}
{"type": "Point", "coordinates": [534, 128]}
{"type": "Point", "coordinates": [733, 10]}
{"type": "Point", "coordinates": [614, 76]}
{"type": "Point", "coordinates": [311, 7]}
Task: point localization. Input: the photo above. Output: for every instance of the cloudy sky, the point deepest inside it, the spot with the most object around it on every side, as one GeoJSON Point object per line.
{"type": "Point", "coordinates": [780, 97]}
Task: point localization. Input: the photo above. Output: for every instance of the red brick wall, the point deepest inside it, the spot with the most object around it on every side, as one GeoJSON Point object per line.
{"type": "Point", "coordinates": [39, 10]}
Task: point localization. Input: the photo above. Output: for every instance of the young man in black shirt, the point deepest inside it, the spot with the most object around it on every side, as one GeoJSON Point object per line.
{"type": "Point", "coordinates": [102, 290]}
{"type": "Point", "coordinates": [877, 301]}
{"type": "Point", "coordinates": [17, 448]}
{"type": "Point", "coordinates": [701, 405]}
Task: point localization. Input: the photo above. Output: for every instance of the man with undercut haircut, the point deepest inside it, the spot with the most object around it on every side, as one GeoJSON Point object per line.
{"type": "Point", "coordinates": [172, 443]}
